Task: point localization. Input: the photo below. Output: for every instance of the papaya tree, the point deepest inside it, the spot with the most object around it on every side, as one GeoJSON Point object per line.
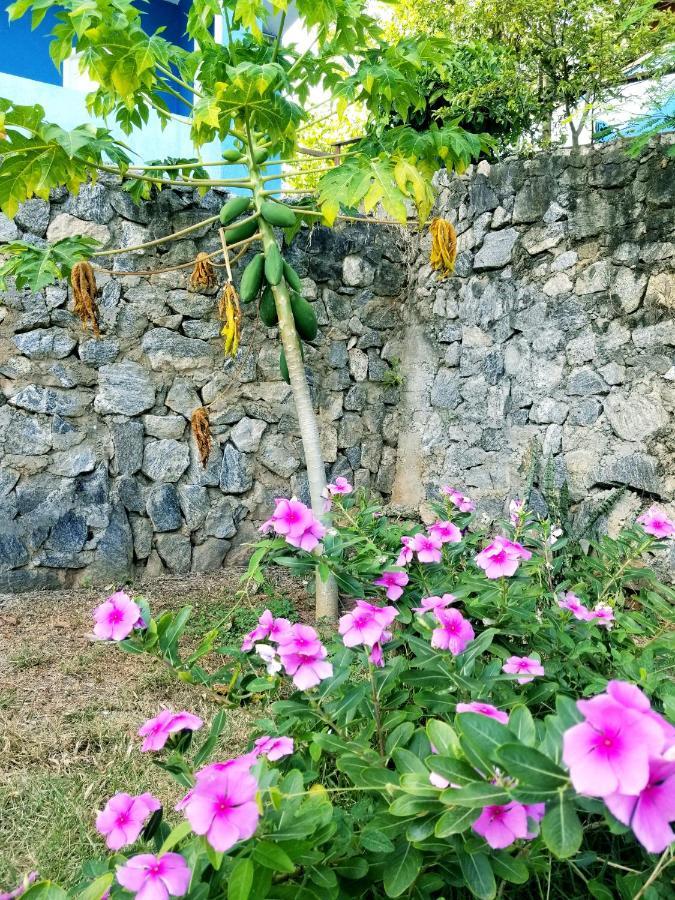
{"type": "Point", "coordinates": [252, 94]}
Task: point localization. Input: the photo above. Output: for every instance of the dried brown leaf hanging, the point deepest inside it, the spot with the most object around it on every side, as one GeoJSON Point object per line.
{"type": "Point", "coordinates": [230, 315]}
{"type": "Point", "coordinates": [83, 282]}
{"type": "Point", "coordinates": [203, 275]}
{"type": "Point", "coordinates": [443, 247]}
{"type": "Point", "coordinates": [202, 433]}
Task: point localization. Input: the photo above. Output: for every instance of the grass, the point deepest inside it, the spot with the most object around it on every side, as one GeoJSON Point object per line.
{"type": "Point", "coordinates": [69, 711]}
{"type": "Point", "coordinates": [46, 818]}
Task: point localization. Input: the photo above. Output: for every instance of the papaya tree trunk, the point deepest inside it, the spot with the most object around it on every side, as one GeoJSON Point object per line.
{"type": "Point", "coordinates": [326, 591]}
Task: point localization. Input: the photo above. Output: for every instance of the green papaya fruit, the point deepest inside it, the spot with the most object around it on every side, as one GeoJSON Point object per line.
{"type": "Point", "coordinates": [292, 277]}
{"type": "Point", "coordinates": [305, 318]}
{"type": "Point", "coordinates": [274, 265]}
{"type": "Point", "coordinates": [283, 365]}
{"type": "Point", "coordinates": [268, 308]}
{"type": "Point", "coordinates": [240, 232]}
{"type": "Point", "coordinates": [277, 214]}
{"type": "Point", "coordinates": [233, 208]}
{"type": "Point", "coordinates": [232, 155]}
{"type": "Point", "coordinates": [251, 280]}
{"type": "Point", "coordinates": [260, 156]}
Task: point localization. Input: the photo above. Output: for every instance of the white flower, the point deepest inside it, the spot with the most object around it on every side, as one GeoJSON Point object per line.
{"type": "Point", "coordinates": [555, 534]}
{"type": "Point", "coordinates": [269, 657]}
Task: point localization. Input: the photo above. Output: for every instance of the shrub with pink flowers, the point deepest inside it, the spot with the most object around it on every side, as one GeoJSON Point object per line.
{"type": "Point", "coordinates": [488, 718]}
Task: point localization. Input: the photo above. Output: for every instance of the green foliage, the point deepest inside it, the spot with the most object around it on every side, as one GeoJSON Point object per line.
{"type": "Point", "coordinates": [511, 64]}
{"type": "Point", "coordinates": [355, 807]}
{"type": "Point", "coordinates": [170, 169]}
{"type": "Point", "coordinates": [36, 267]}
{"type": "Point", "coordinates": [38, 156]}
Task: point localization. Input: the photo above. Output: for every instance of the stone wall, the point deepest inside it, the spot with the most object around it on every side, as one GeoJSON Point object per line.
{"type": "Point", "coordinates": [100, 477]}
{"type": "Point", "coordinates": [557, 326]}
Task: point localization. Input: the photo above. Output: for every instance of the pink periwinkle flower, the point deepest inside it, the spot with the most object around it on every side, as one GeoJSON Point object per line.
{"type": "Point", "coordinates": [650, 812]}
{"type": "Point", "coordinates": [339, 486]}
{"type": "Point", "coordinates": [656, 523]}
{"type": "Point", "coordinates": [241, 763]}
{"type": "Point", "coordinates": [122, 818]}
{"type": "Point", "coordinates": [429, 604]}
{"type": "Point", "coordinates": [484, 709]}
{"type": "Point", "coordinates": [609, 752]}
{"type": "Point", "coordinates": [501, 557]}
{"type": "Point", "coordinates": [223, 807]}
{"type": "Point", "coordinates": [155, 877]}
{"type": "Point", "coordinates": [572, 603]}
{"type": "Point", "coordinates": [29, 879]}
{"type": "Point", "coordinates": [516, 510]}
{"type": "Point", "coordinates": [273, 748]}
{"type": "Point", "coordinates": [427, 547]}
{"type": "Point", "coordinates": [365, 624]}
{"type": "Point", "coordinates": [603, 614]}
{"type": "Point", "coordinates": [394, 582]}
{"type": "Point", "coordinates": [116, 618]}
{"type": "Point", "coordinates": [454, 631]}
{"type": "Point", "coordinates": [376, 655]}
{"type": "Point", "coordinates": [462, 503]}
{"type": "Point", "coordinates": [303, 656]}
{"type": "Point", "coordinates": [406, 554]}
{"type": "Point", "coordinates": [524, 666]}
{"type": "Point", "coordinates": [157, 731]}
{"type": "Point", "coordinates": [500, 826]}
{"type": "Point", "coordinates": [446, 532]}
{"type": "Point", "coordinates": [267, 627]}
{"type": "Point", "coordinates": [289, 517]}
{"type": "Point", "coordinates": [310, 538]}
{"type": "Point", "coordinates": [631, 696]}
{"type": "Point", "coordinates": [535, 812]}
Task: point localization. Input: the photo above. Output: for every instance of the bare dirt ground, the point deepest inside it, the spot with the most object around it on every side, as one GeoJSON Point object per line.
{"type": "Point", "coordinates": [70, 708]}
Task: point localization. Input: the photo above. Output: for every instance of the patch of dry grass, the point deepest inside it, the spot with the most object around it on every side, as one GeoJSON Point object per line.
{"type": "Point", "coordinates": [69, 712]}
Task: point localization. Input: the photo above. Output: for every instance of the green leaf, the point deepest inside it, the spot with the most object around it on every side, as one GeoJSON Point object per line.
{"type": "Point", "coordinates": [509, 868]}
{"type": "Point", "coordinates": [480, 794]}
{"type": "Point", "coordinates": [443, 737]}
{"type": "Point", "coordinates": [216, 729]}
{"type": "Point", "coordinates": [454, 821]}
{"type": "Point", "coordinates": [97, 888]}
{"type": "Point", "coordinates": [478, 875]}
{"type": "Point", "coordinates": [175, 836]}
{"type": "Point", "coordinates": [273, 857]}
{"type": "Point", "coordinates": [402, 871]}
{"type": "Point", "coordinates": [376, 842]}
{"type": "Point", "coordinates": [481, 738]}
{"type": "Point", "coordinates": [45, 890]}
{"type": "Point", "coordinates": [455, 770]}
{"type": "Point", "coordinates": [240, 880]}
{"type": "Point", "coordinates": [531, 768]}
{"type": "Point", "coordinates": [522, 725]}
{"type": "Point", "coordinates": [37, 267]}
{"type": "Point", "coordinates": [561, 828]}
{"type": "Point", "coordinates": [399, 737]}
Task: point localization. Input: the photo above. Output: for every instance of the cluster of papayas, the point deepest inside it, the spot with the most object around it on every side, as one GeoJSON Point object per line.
{"type": "Point", "coordinates": [267, 270]}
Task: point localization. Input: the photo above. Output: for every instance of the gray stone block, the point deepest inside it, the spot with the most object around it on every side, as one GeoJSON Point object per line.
{"type": "Point", "coordinates": [165, 460]}
{"type": "Point", "coordinates": [236, 471]}
{"type": "Point", "coordinates": [163, 508]}
{"type": "Point", "coordinates": [175, 551]}
{"type": "Point", "coordinates": [124, 388]}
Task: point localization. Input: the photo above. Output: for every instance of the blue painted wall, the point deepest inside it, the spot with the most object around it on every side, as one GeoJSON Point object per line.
{"type": "Point", "coordinates": [26, 53]}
